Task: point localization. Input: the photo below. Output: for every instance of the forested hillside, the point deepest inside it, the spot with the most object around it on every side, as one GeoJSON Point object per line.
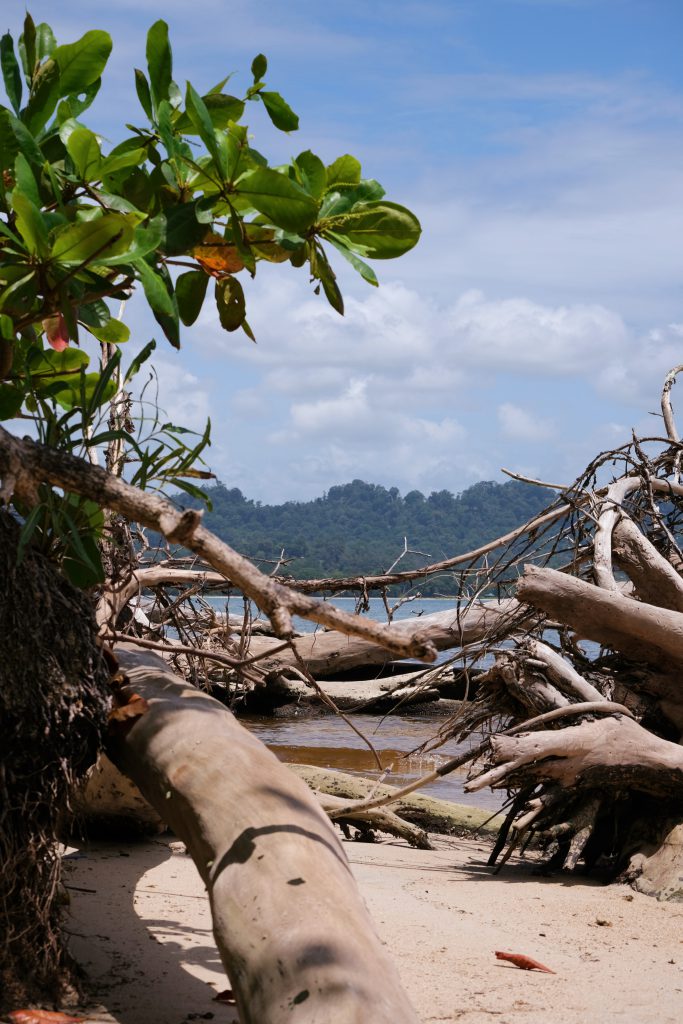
{"type": "Point", "coordinates": [360, 528]}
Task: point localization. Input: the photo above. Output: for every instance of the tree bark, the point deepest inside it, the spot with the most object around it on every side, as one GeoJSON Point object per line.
{"type": "Point", "coordinates": [290, 926]}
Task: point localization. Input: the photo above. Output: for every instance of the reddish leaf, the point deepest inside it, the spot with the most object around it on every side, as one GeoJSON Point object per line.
{"type": "Point", "coordinates": [42, 1017]}
{"type": "Point", "coordinates": [217, 257]}
{"type": "Point", "coordinates": [56, 331]}
{"type": "Point", "coordinates": [526, 963]}
{"type": "Point", "coordinates": [133, 707]}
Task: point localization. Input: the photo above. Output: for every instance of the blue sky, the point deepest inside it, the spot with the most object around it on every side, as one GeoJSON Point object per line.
{"type": "Point", "coordinates": [539, 141]}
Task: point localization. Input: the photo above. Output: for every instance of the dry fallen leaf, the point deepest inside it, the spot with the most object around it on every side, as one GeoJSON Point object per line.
{"type": "Point", "coordinates": [526, 963]}
{"type": "Point", "coordinates": [132, 708]}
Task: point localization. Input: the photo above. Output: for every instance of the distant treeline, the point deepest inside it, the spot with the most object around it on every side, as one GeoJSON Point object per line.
{"type": "Point", "coordinates": [359, 528]}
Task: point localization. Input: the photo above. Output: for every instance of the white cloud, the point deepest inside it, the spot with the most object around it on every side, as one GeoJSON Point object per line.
{"type": "Point", "coordinates": [519, 424]}
{"type": "Point", "coordinates": [181, 395]}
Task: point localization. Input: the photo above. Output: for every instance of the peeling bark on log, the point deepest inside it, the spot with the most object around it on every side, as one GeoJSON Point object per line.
{"type": "Point", "coordinates": [291, 928]}
{"type": "Point", "coordinates": [325, 653]}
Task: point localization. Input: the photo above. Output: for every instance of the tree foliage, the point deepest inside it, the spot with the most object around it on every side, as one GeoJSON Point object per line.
{"type": "Point", "coordinates": [183, 208]}
{"type": "Point", "coordinates": [359, 528]}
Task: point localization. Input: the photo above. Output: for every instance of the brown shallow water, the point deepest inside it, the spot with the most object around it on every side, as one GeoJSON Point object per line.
{"type": "Point", "coordinates": [328, 742]}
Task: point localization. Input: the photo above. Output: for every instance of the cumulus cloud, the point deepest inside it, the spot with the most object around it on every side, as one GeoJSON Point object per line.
{"type": "Point", "coordinates": [519, 424]}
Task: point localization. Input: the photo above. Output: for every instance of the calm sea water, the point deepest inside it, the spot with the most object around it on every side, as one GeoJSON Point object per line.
{"type": "Point", "coordinates": [329, 742]}
{"type": "Point", "coordinates": [409, 610]}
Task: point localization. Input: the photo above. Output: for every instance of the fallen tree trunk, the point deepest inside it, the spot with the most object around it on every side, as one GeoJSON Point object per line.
{"type": "Point", "coordinates": [290, 926]}
{"type": "Point", "coordinates": [327, 653]}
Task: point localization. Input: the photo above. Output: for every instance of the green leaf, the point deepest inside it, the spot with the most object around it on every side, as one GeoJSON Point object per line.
{"type": "Point", "coordinates": [280, 112]}
{"type": "Point", "coordinates": [159, 61]}
{"type": "Point", "coordinates": [15, 136]}
{"type": "Point", "coordinates": [46, 44]}
{"type": "Point", "coordinates": [104, 386]}
{"type": "Point", "coordinates": [30, 224]}
{"type": "Point", "coordinates": [105, 236]}
{"type": "Point", "coordinates": [201, 119]}
{"type": "Point", "coordinates": [284, 202]}
{"type": "Point", "coordinates": [146, 239]}
{"type": "Point", "coordinates": [312, 171]}
{"type": "Point", "coordinates": [222, 110]}
{"type": "Point", "coordinates": [25, 180]}
{"type": "Point", "coordinates": [120, 161]}
{"type": "Point", "coordinates": [82, 561]}
{"type": "Point", "coordinates": [140, 358]}
{"type": "Point", "coordinates": [259, 66]}
{"type": "Point", "coordinates": [113, 332]}
{"type": "Point", "coordinates": [144, 94]}
{"type": "Point", "coordinates": [321, 269]}
{"type": "Point", "coordinates": [230, 303]}
{"type": "Point", "coordinates": [73, 106]}
{"type": "Point", "coordinates": [84, 150]}
{"type": "Point", "coordinates": [6, 327]}
{"type": "Point", "coordinates": [162, 303]}
{"type": "Point", "coordinates": [9, 146]}
{"type": "Point", "coordinates": [95, 313]}
{"type": "Point", "coordinates": [190, 290]}
{"type": "Point", "coordinates": [344, 171]}
{"type": "Point", "coordinates": [82, 63]}
{"type": "Point", "coordinates": [183, 229]}
{"type": "Point", "coordinates": [43, 98]}
{"type": "Point", "coordinates": [379, 230]}
{"type": "Point", "coordinates": [344, 198]}
{"type": "Point", "coordinates": [27, 48]}
{"type": "Point", "coordinates": [10, 71]}
{"type": "Point", "coordinates": [11, 400]}
{"type": "Point", "coordinates": [366, 272]}
{"type": "Point", "coordinates": [48, 363]}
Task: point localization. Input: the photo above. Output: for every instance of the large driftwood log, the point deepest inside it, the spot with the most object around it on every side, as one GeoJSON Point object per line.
{"type": "Point", "coordinates": [642, 632]}
{"type": "Point", "coordinates": [326, 653]}
{"type": "Point", "coordinates": [290, 926]}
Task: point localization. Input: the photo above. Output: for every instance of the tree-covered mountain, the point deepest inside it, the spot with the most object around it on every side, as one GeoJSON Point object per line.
{"type": "Point", "coordinates": [360, 528]}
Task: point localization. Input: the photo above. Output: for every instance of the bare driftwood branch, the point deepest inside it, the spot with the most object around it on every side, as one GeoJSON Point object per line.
{"type": "Point", "coordinates": [325, 653]}
{"type": "Point", "coordinates": [24, 464]}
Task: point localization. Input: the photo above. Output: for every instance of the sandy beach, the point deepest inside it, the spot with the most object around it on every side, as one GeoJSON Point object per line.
{"type": "Point", "coordinates": [141, 927]}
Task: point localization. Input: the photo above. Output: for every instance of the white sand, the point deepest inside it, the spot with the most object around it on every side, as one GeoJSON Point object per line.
{"type": "Point", "coordinates": [144, 937]}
